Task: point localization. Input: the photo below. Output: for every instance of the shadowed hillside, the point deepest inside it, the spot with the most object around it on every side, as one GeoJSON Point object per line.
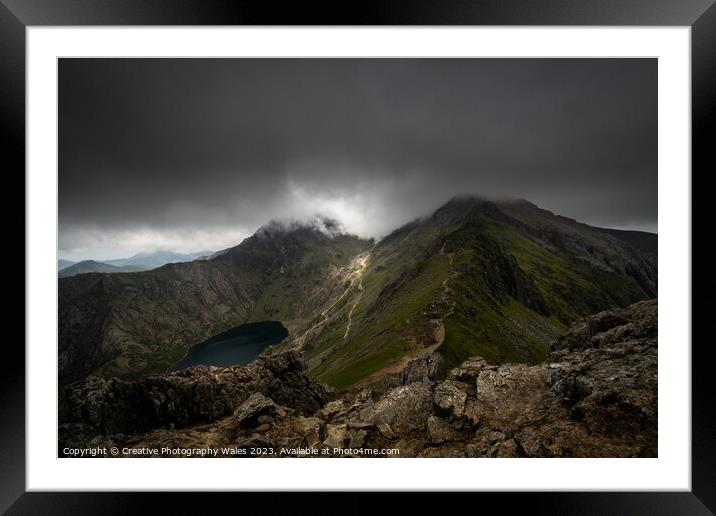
{"type": "Point", "coordinates": [498, 280]}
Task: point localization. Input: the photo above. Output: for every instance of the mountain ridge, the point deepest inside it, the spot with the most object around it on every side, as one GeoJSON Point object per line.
{"type": "Point", "coordinates": [63, 264]}
{"type": "Point", "coordinates": [142, 322]}
{"type": "Point", "coordinates": [89, 266]}
{"type": "Point", "coordinates": [157, 258]}
{"type": "Point", "coordinates": [138, 262]}
{"type": "Point", "coordinates": [472, 279]}
{"type": "Point", "coordinates": [476, 277]}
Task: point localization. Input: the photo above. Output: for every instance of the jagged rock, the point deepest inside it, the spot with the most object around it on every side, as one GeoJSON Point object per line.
{"type": "Point", "coordinates": [335, 436]}
{"type": "Point", "coordinates": [357, 438]}
{"type": "Point", "coordinates": [386, 430]}
{"type": "Point", "coordinates": [611, 389]}
{"type": "Point", "coordinates": [441, 431]}
{"type": "Point", "coordinates": [469, 370]}
{"type": "Point", "coordinates": [191, 396]}
{"type": "Point", "coordinates": [292, 385]}
{"type": "Point", "coordinates": [405, 409]}
{"type": "Point", "coordinates": [597, 397]}
{"type": "Point", "coordinates": [265, 419]}
{"type": "Point", "coordinates": [508, 448]}
{"type": "Point", "coordinates": [510, 397]}
{"type": "Point", "coordinates": [360, 425]}
{"type": "Point", "coordinates": [428, 368]}
{"type": "Point", "coordinates": [310, 430]}
{"type": "Point", "coordinates": [634, 322]}
{"type": "Point", "coordinates": [449, 399]}
{"type": "Point", "coordinates": [256, 405]}
{"type": "Point", "coordinates": [331, 408]}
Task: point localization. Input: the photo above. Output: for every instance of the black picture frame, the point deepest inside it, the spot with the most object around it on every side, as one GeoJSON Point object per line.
{"type": "Point", "coordinates": [700, 15]}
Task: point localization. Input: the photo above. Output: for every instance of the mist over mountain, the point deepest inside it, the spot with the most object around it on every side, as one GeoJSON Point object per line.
{"type": "Point", "coordinates": [157, 258]}
{"type": "Point", "coordinates": [63, 264]}
{"type": "Point", "coordinates": [324, 224]}
{"type": "Point", "coordinates": [372, 307]}
{"type": "Point", "coordinates": [373, 143]}
{"type": "Point", "coordinates": [496, 279]}
{"type": "Point", "coordinates": [87, 266]}
{"type": "Point", "coordinates": [138, 262]}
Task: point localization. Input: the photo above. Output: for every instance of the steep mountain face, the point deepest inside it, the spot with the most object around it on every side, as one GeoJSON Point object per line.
{"type": "Point", "coordinates": [141, 323]}
{"type": "Point", "coordinates": [498, 280]}
{"type": "Point", "coordinates": [595, 397]}
{"type": "Point", "coordinates": [86, 266]}
{"type": "Point", "coordinates": [631, 254]}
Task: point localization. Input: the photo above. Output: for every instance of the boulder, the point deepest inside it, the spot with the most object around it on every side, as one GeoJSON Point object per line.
{"type": "Point", "coordinates": [449, 399]}
{"type": "Point", "coordinates": [192, 396]}
{"type": "Point", "coordinates": [441, 431]}
{"type": "Point", "coordinates": [405, 409]}
{"type": "Point", "coordinates": [427, 368]}
{"type": "Point", "coordinates": [255, 406]}
{"type": "Point", "coordinates": [335, 436]}
{"type": "Point", "coordinates": [597, 397]}
{"type": "Point", "coordinates": [310, 430]}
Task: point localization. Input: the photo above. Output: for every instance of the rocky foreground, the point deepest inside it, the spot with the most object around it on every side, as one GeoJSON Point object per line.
{"type": "Point", "coordinates": [595, 397]}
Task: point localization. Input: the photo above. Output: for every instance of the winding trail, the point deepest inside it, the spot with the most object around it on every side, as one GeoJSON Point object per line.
{"type": "Point", "coordinates": [359, 272]}
{"type": "Point", "coordinates": [397, 366]}
{"type": "Point", "coordinates": [357, 268]}
{"type": "Point", "coordinates": [438, 334]}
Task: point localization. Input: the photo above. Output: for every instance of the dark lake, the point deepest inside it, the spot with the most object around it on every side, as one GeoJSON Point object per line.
{"type": "Point", "coordinates": [237, 346]}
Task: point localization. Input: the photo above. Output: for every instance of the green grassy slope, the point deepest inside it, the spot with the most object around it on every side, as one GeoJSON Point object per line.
{"type": "Point", "coordinates": [499, 280]}
{"type": "Point", "coordinates": [499, 291]}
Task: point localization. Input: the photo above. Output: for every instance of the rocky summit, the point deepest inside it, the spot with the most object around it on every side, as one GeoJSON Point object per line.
{"type": "Point", "coordinates": [595, 396]}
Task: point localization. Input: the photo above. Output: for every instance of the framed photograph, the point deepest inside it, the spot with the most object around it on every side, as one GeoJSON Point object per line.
{"type": "Point", "coordinates": [424, 249]}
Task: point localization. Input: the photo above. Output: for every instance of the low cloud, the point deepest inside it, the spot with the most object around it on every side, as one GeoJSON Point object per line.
{"type": "Point", "coordinates": [198, 154]}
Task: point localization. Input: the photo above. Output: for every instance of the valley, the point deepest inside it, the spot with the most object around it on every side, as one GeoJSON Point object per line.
{"type": "Point", "coordinates": [416, 256]}
{"type": "Point", "coordinates": [595, 396]}
{"type": "Point", "coordinates": [495, 279]}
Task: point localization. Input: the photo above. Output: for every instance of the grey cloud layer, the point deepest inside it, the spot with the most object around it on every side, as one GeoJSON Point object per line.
{"type": "Point", "coordinates": [162, 145]}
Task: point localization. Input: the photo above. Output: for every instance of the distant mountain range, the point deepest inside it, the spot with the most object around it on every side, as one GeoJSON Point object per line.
{"type": "Point", "coordinates": [63, 264]}
{"type": "Point", "coordinates": [138, 262]}
{"type": "Point", "coordinates": [477, 277]}
{"type": "Point", "coordinates": [86, 266]}
{"type": "Point", "coordinates": [157, 259]}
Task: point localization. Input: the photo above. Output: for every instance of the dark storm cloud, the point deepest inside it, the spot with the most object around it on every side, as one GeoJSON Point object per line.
{"type": "Point", "coordinates": [168, 150]}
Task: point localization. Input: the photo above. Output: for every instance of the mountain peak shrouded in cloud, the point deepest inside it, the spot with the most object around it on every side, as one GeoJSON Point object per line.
{"type": "Point", "coordinates": [326, 225]}
{"type": "Point", "coordinates": [502, 276]}
{"type": "Point", "coordinates": [373, 143]}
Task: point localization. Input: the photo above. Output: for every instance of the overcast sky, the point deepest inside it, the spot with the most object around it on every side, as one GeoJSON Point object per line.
{"type": "Point", "coordinates": [197, 154]}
